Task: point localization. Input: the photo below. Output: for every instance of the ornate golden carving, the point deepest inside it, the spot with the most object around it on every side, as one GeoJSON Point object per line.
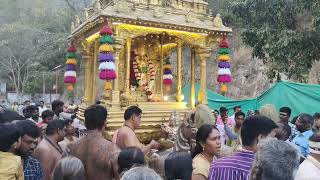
{"type": "Point", "coordinates": [119, 47]}
{"type": "Point", "coordinates": [191, 18]}
{"type": "Point", "coordinates": [124, 100]}
{"type": "Point", "coordinates": [179, 67]}
{"type": "Point", "coordinates": [122, 6]}
{"type": "Point", "coordinates": [90, 11]}
{"type": "Point", "coordinates": [122, 95]}
{"type": "Point", "coordinates": [127, 71]}
{"type": "Point", "coordinates": [96, 5]}
{"type": "Point", "coordinates": [72, 26]}
{"type": "Point", "coordinates": [77, 21]}
{"type": "Point", "coordinates": [154, 2]}
{"type": "Point", "coordinates": [158, 12]}
{"type": "Point", "coordinates": [86, 13]}
{"type": "Point", "coordinates": [217, 22]}
{"type": "Point", "coordinates": [88, 77]}
{"type": "Point", "coordinates": [95, 73]}
{"type": "Point", "coordinates": [204, 53]}
{"type": "Point", "coordinates": [166, 3]}
{"type": "Point", "coordinates": [105, 3]}
{"type": "Point", "coordinates": [127, 30]}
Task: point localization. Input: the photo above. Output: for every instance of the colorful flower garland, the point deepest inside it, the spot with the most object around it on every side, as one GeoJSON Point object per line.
{"type": "Point", "coordinates": [136, 71]}
{"type": "Point", "coordinates": [224, 73]}
{"type": "Point", "coordinates": [151, 73]}
{"type": "Point", "coordinates": [70, 76]}
{"type": "Point", "coordinates": [167, 75]}
{"type": "Point", "coordinates": [107, 66]}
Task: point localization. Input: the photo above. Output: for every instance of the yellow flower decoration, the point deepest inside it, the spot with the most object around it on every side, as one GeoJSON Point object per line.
{"type": "Point", "coordinates": [223, 88]}
{"type": "Point", "coordinates": [71, 61]}
{"type": "Point", "coordinates": [224, 58]}
{"type": "Point", "coordinates": [105, 48]}
{"type": "Point", "coordinates": [70, 87]}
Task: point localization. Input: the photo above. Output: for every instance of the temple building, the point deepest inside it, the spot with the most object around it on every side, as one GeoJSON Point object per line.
{"type": "Point", "coordinates": [145, 33]}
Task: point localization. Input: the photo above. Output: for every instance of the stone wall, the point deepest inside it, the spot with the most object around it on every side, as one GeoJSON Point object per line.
{"type": "Point", "coordinates": [37, 97]}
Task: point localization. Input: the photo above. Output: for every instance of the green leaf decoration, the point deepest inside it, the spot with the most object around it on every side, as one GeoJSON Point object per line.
{"type": "Point", "coordinates": [71, 55]}
{"type": "Point", "coordinates": [224, 51]}
{"type": "Point", "coordinates": [106, 40]}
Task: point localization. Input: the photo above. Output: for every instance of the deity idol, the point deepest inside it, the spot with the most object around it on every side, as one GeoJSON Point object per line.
{"type": "Point", "coordinates": [144, 74]}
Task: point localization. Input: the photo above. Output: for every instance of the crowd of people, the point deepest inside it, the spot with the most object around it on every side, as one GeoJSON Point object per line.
{"type": "Point", "coordinates": [262, 145]}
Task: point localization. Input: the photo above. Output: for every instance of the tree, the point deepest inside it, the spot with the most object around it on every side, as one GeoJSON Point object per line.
{"type": "Point", "coordinates": [16, 60]}
{"type": "Point", "coordinates": [33, 40]}
{"type": "Point", "coordinates": [284, 33]}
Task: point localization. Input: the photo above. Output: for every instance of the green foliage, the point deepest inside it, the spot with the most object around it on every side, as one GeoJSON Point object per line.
{"type": "Point", "coordinates": [284, 33]}
{"type": "Point", "coordinates": [71, 55]}
{"type": "Point", "coordinates": [106, 39]}
{"type": "Point", "coordinates": [33, 40]}
{"type": "Point", "coordinates": [36, 82]}
{"type": "Point", "coordinates": [224, 51]}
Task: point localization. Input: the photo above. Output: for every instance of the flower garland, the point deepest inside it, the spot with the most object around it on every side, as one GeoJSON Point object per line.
{"type": "Point", "coordinates": [70, 76]}
{"type": "Point", "coordinates": [136, 71]}
{"type": "Point", "coordinates": [224, 73]}
{"type": "Point", "coordinates": [167, 75]}
{"type": "Point", "coordinates": [107, 66]}
{"type": "Point", "coordinates": [151, 72]}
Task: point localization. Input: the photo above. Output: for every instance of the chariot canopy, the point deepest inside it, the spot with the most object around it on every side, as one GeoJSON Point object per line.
{"type": "Point", "coordinates": [145, 33]}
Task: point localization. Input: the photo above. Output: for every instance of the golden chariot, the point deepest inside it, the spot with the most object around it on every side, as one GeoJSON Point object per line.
{"type": "Point", "coordinates": [146, 31]}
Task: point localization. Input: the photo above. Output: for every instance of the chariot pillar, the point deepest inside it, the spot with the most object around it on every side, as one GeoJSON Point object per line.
{"type": "Point", "coordinates": [204, 54]}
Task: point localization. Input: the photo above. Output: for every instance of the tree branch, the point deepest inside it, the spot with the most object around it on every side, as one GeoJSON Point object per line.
{"type": "Point", "coordinates": [7, 66]}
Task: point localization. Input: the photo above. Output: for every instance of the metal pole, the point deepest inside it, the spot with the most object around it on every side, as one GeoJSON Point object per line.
{"type": "Point", "coordinates": [179, 68]}
{"type": "Point", "coordinates": [192, 89]}
{"type": "Point", "coordinates": [161, 65]}
{"type": "Point", "coordinates": [43, 85]}
{"type": "Point", "coordinates": [56, 82]}
{"type": "Point", "coordinates": [128, 58]}
{"type": "Point", "coordinates": [95, 73]}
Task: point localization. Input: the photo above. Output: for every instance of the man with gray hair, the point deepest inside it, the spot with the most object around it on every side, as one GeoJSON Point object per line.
{"type": "Point", "coordinates": [275, 160]}
{"type": "Point", "coordinates": [141, 173]}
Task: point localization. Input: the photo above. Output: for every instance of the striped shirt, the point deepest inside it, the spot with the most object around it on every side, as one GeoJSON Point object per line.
{"type": "Point", "coordinates": [235, 167]}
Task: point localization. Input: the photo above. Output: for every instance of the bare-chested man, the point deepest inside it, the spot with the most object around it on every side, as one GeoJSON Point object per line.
{"type": "Point", "coordinates": [98, 155]}
{"type": "Point", "coordinates": [126, 137]}
{"type": "Point", "coordinates": [48, 152]}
